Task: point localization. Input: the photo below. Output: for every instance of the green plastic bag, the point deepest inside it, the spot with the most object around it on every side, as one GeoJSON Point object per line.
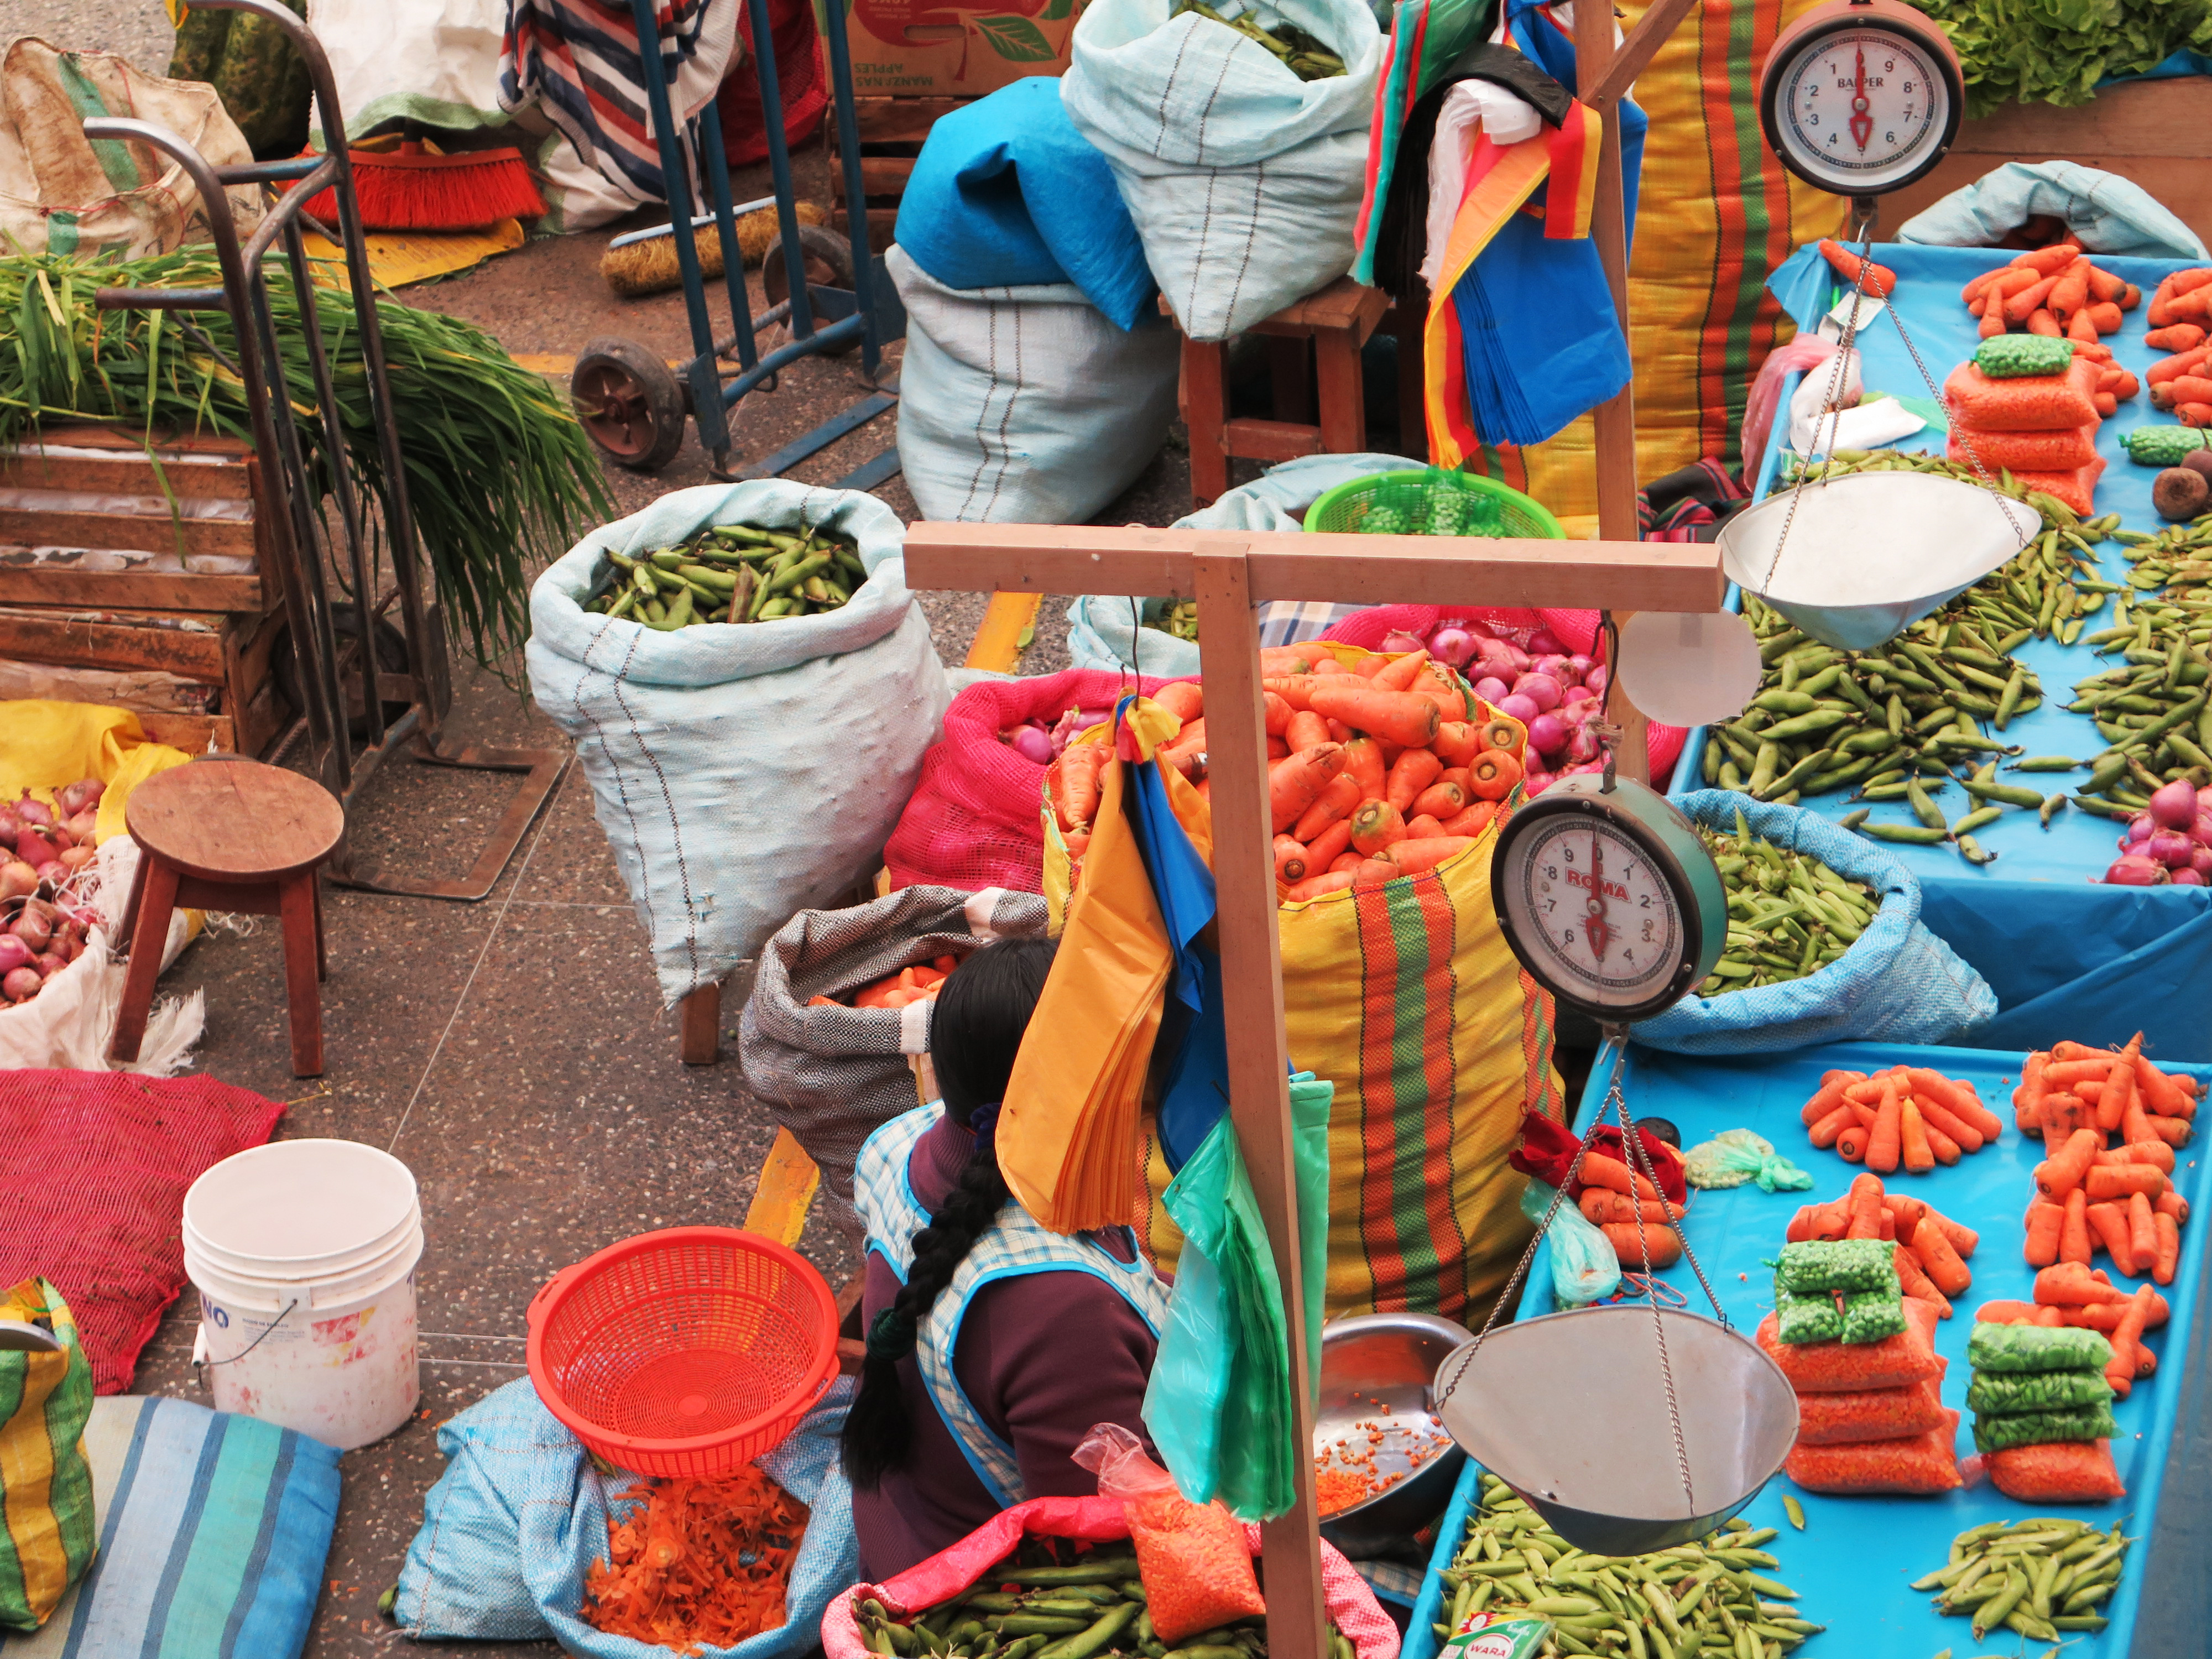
{"type": "Point", "coordinates": [1219, 1403]}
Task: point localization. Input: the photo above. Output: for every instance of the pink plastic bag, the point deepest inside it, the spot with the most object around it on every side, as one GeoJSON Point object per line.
{"type": "Point", "coordinates": [1192, 1558]}
{"type": "Point", "coordinates": [1577, 631]}
{"type": "Point", "coordinates": [1094, 1520]}
{"type": "Point", "coordinates": [1806, 351]}
{"type": "Point", "coordinates": [973, 822]}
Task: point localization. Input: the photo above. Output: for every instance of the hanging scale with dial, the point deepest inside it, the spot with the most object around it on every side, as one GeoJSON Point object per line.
{"type": "Point", "coordinates": [1861, 97]}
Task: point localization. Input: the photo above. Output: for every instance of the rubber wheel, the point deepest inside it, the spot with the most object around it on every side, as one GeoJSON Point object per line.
{"type": "Point", "coordinates": [631, 401]}
{"type": "Point", "coordinates": [829, 265]}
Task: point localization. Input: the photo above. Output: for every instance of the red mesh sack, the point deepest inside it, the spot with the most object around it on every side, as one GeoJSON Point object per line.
{"type": "Point", "coordinates": [1921, 1466]}
{"type": "Point", "coordinates": [973, 821]}
{"type": "Point", "coordinates": [1841, 1367]}
{"type": "Point", "coordinates": [800, 82]}
{"type": "Point", "coordinates": [2063, 1472]}
{"type": "Point", "coordinates": [1840, 1418]}
{"type": "Point", "coordinates": [1577, 631]}
{"type": "Point", "coordinates": [2030, 403]}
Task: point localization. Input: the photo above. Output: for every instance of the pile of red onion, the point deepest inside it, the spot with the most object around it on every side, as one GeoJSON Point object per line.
{"type": "Point", "coordinates": [1041, 740]}
{"type": "Point", "coordinates": [41, 849]}
{"type": "Point", "coordinates": [2170, 842]}
{"type": "Point", "coordinates": [1557, 694]}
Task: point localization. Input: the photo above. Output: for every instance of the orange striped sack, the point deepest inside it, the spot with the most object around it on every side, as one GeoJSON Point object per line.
{"type": "Point", "coordinates": [46, 1485]}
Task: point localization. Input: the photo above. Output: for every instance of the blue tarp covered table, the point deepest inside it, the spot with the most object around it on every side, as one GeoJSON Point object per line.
{"type": "Point", "coordinates": [2068, 959]}
{"type": "Point", "coordinates": [1852, 1564]}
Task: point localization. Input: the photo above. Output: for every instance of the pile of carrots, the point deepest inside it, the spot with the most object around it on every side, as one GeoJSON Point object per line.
{"type": "Point", "coordinates": [918, 983]}
{"type": "Point", "coordinates": [2181, 324]}
{"type": "Point", "coordinates": [2090, 1194]}
{"type": "Point", "coordinates": [1906, 1117]}
{"type": "Point", "coordinates": [699, 1564]}
{"type": "Point", "coordinates": [1931, 1247]}
{"type": "Point", "coordinates": [2054, 290]}
{"type": "Point", "coordinates": [1375, 770]}
{"type": "Point", "coordinates": [1613, 1196]}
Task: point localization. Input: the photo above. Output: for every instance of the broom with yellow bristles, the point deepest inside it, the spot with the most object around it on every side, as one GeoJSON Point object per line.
{"type": "Point", "coordinates": [644, 262]}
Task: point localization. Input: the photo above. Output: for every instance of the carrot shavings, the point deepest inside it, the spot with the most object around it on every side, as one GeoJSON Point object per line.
{"type": "Point", "coordinates": [698, 1564]}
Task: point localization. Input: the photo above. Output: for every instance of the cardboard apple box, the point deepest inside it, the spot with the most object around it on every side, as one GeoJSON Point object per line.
{"type": "Point", "coordinates": [952, 49]}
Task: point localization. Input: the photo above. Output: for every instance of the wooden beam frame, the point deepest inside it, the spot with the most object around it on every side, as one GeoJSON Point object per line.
{"type": "Point", "coordinates": [1229, 573]}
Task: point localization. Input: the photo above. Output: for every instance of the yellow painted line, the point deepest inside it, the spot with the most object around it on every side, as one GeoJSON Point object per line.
{"type": "Point", "coordinates": [998, 644]}
{"type": "Point", "coordinates": [788, 1181]}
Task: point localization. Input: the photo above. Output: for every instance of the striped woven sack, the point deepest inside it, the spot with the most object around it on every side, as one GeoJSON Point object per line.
{"type": "Point", "coordinates": [1716, 212]}
{"type": "Point", "coordinates": [1405, 997]}
{"type": "Point", "coordinates": [45, 1485]}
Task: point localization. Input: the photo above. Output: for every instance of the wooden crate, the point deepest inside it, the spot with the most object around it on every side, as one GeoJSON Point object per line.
{"type": "Point", "coordinates": [229, 653]}
{"type": "Point", "coordinates": [35, 511]}
{"type": "Point", "coordinates": [2150, 131]}
{"type": "Point", "coordinates": [891, 134]}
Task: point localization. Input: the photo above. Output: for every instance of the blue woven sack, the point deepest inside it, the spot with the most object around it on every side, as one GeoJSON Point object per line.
{"type": "Point", "coordinates": [1899, 983]}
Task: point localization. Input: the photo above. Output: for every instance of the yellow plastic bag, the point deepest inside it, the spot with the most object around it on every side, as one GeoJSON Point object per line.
{"type": "Point", "coordinates": [47, 745]}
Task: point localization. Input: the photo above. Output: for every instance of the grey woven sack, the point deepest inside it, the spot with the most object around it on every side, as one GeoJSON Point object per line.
{"type": "Point", "coordinates": [832, 1075]}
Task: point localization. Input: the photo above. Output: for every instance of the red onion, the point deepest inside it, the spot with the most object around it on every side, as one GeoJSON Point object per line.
{"type": "Point", "coordinates": [74, 859]}
{"type": "Point", "coordinates": [33, 926]}
{"type": "Point", "coordinates": [1596, 680]}
{"type": "Point", "coordinates": [2200, 860]}
{"type": "Point", "coordinates": [1399, 640]}
{"type": "Point", "coordinates": [14, 953]}
{"type": "Point", "coordinates": [17, 879]}
{"type": "Point", "coordinates": [2204, 799]}
{"type": "Point", "coordinates": [81, 796]}
{"type": "Point", "coordinates": [33, 811]}
{"type": "Point", "coordinates": [53, 873]}
{"type": "Point", "coordinates": [1452, 646]}
{"type": "Point", "coordinates": [35, 849]}
{"type": "Point", "coordinates": [2201, 831]}
{"type": "Point", "coordinates": [1519, 706]}
{"type": "Point", "coordinates": [1535, 781]}
{"type": "Point", "coordinates": [21, 984]}
{"type": "Point", "coordinates": [2187, 878]}
{"type": "Point", "coordinates": [1555, 664]}
{"type": "Point", "coordinates": [2174, 806]}
{"type": "Point", "coordinates": [1541, 689]}
{"type": "Point", "coordinates": [1517, 656]}
{"type": "Point", "coordinates": [1583, 745]}
{"type": "Point", "coordinates": [68, 946]}
{"type": "Point", "coordinates": [1032, 744]}
{"type": "Point", "coordinates": [10, 825]}
{"type": "Point", "coordinates": [49, 962]}
{"type": "Point", "coordinates": [1582, 662]}
{"type": "Point", "coordinates": [2169, 846]}
{"type": "Point", "coordinates": [2136, 872]}
{"type": "Point", "coordinates": [2139, 826]}
{"type": "Point", "coordinates": [1548, 734]}
{"type": "Point", "coordinates": [1545, 643]}
{"type": "Point", "coordinates": [83, 827]}
{"type": "Point", "coordinates": [1491, 688]}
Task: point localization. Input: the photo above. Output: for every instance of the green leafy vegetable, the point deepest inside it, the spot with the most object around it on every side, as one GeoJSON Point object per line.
{"type": "Point", "coordinates": [2056, 51]}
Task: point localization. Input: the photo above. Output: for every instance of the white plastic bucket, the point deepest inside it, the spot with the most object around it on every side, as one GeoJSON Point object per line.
{"type": "Point", "coordinates": [303, 1252]}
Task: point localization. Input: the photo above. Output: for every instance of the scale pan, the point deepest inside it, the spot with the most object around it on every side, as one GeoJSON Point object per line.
{"type": "Point", "coordinates": [1871, 552]}
{"type": "Point", "coordinates": [1569, 1410]}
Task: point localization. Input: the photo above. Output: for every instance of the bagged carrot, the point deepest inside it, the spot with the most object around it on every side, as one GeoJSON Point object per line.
{"type": "Point", "coordinates": [1828, 1420]}
{"type": "Point", "coordinates": [2062, 1472]}
{"type": "Point", "coordinates": [1191, 1556]}
{"type": "Point", "coordinates": [1831, 1367]}
{"type": "Point", "coordinates": [1920, 1466]}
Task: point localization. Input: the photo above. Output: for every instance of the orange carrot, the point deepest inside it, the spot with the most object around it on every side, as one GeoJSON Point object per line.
{"type": "Point", "coordinates": [2070, 292]}
{"type": "Point", "coordinates": [2104, 317]}
{"type": "Point", "coordinates": [2071, 1285]}
{"type": "Point", "coordinates": [1457, 742]}
{"type": "Point", "coordinates": [1912, 1140]}
{"type": "Point", "coordinates": [1313, 887]}
{"type": "Point", "coordinates": [1829, 1095]}
{"type": "Point", "coordinates": [1293, 688]}
{"type": "Point", "coordinates": [2006, 1313]}
{"type": "Point", "coordinates": [1882, 1149]}
{"type": "Point", "coordinates": [2118, 1180]}
{"type": "Point", "coordinates": [2105, 1315]}
{"type": "Point", "coordinates": [2167, 1256]}
{"type": "Point", "coordinates": [1347, 862]}
{"type": "Point", "coordinates": [1957, 1099]}
{"type": "Point", "coordinates": [1080, 764]}
{"type": "Point", "coordinates": [2174, 1204]}
{"type": "Point", "coordinates": [1324, 848]}
{"type": "Point", "coordinates": [1410, 858]}
{"type": "Point", "coordinates": [1277, 750]}
{"type": "Point", "coordinates": [1964, 1240]}
{"type": "Point", "coordinates": [2173, 1130]}
{"type": "Point", "coordinates": [2154, 1152]}
{"type": "Point", "coordinates": [1602, 1204]}
{"type": "Point", "coordinates": [2161, 1093]}
{"type": "Point", "coordinates": [1293, 785]}
{"type": "Point", "coordinates": [2045, 1223]}
{"type": "Point", "coordinates": [1281, 659]}
{"type": "Point", "coordinates": [1950, 1274]}
{"type": "Point", "coordinates": [2175, 337]}
{"type": "Point", "coordinates": [1851, 1143]}
{"type": "Point", "coordinates": [1398, 717]}
{"type": "Point", "coordinates": [1186, 752]}
{"type": "Point", "coordinates": [1656, 1246]}
{"type": "Point", "coordinates": [1866, 1207]}
{"type": "Point", "coordinates": [2120, 1372]}
{"type": "Point", "coordinates": [1184, 699]}
{"type": "Point", "coordinates": [1503, 731]}
{"type": "Point", "coordinates": [1941, 1118]}
{"type": "Point", "coordinates": [2027, 1099]}
{"type": "Point", "coordinates": [1363, 759]}
{"type": "Point", "coordinates": [2119, 1086]}
{"type": "Point", "coordinates": [1854, 267]}
{"type": "Point", "coordinates": [2109, 1222]}
{"type": "Point", "coordinates": [1306, 730]}
{"type": "Point", "coordinates": [2048, 261]}
{"type": "Point", "coordinates": [1992, 323]}
{"type": "Point", "coordinates": [1493, 774]}
{"type": "Point", "coordinates": [2073, 1235]}
{"type": "Point", "coordinates": [2060, 1175]}
{"type": "Point", "coordinates": [1422, 826]}
{"type": "Point", "coordinates": [1413, 772]}
{"type": "Point", "coordinates": [1473, 820]}
{"type": "Point", "coordinates": [1279, 714]}
{"type": "Point", "coordinates": [1289, 860]}
{"type": "Point", "coordinates": [1825, 1131]}
{"type": "Point", "coordinates": [1946, 1148]}
{"type": "Point", "coordinates": [1375, 826]}
{"type": "Point", "coordinates": [1339, 797]}
{"type": "Point", "coordinates": [2142, 1231]}
{"type": "Point", "coordinates": [2021, 306]}
{"type": "Point", "coordinates": [1440, 800]}
{"type": "Point", "coordinates": [1915, 1282]}
{"type": "Point", "coordinates": [1602, 1169]}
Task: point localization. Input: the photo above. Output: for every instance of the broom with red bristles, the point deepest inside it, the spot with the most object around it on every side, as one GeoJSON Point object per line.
{"type": "Point", "coordinates": [409, 184]}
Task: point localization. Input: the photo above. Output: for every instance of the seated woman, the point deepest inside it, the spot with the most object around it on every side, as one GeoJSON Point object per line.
{"type": "Point", "coordinates": [992, 1344]}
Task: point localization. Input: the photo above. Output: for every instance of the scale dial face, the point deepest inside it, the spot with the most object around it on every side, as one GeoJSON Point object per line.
{"type": "Point", "coordinates": [1862, 106]}
{"type": "Point", "coordinates": [1604, 906]}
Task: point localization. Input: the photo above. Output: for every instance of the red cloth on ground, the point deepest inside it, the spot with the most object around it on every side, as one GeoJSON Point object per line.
{"type": "Point", "coordinates": [1043, 1357]}
{"type": "Point", "coordinates": [802, 83]}
{"type": "Point", "coordinates": [94, 1166]}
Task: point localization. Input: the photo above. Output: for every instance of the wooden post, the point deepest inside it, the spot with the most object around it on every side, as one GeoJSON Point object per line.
{"type": "Point", "coordinates": [1252, 1010]}
{"type": "Point", "coordinates": [1229, 572]}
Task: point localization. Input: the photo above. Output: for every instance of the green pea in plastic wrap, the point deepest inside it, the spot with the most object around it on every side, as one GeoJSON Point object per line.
{"type": "Point", "coordinates": [1801, 1319]}
{"type": "Point", "coordinates": [2037, 1348]}
{"type": "Point", "coordinates": [2037, 1391]}
{"type": "Point", "coordinates": [1995, 1433]}
{"type": "Point", "coordinates": [1870, 1315]}
{"type": "Point", "coordinates": [1842, 1264]}
{"type": "Point", "coordinates": [1736, 1155]}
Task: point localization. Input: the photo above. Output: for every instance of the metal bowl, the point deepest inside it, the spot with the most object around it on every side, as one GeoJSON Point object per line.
{"type": "Point", "coordinates": [1391, 1358]}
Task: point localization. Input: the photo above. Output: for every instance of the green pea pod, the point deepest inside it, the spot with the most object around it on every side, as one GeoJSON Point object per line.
{"type": "Point", "coordinates": [2010, 794]}
{"type": "Point", "coordinates": [1975, 819]}
{"type": "Point", "coordinates": [1973, 852]}
{"type": "Point", "coordinates": [1919, 833]}
{"type": "Point", "coordinates": [2045, 763]}
{"type": "Point", "coordinates": [1805, 726]}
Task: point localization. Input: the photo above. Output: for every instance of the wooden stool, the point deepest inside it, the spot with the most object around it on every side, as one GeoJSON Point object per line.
{"type": "Point", "coordinates": [235, 835]}
{"type": "Point", "coordinates": [1338, 321]}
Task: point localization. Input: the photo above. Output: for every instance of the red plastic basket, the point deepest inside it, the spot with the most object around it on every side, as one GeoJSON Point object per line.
{"type": "Point", "coordinates": [687, 1351]}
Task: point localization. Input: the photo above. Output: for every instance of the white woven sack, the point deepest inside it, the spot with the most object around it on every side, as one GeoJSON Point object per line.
{"type": "Point", "coordinates": [740, 771]}
{"type": "Point", "coordinates": [1244, 181]}
{"type": "Point", "coordinates": [1025, 404]}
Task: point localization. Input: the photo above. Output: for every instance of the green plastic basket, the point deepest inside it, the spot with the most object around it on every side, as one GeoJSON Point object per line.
{"type": "Point", "coordinates": [1433, 501]}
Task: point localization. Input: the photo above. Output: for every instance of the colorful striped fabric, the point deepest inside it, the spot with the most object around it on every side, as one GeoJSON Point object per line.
{"type": "Point", "coordinates": [45, 1490]}
{"type": "Point", "coordinates": [579, 61]}
{"type": "Point", "coordinates": [1715, 213]}
{"type": "Point", "coordinates": [214, 1529]}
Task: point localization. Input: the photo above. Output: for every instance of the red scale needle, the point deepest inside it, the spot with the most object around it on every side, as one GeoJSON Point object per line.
{"type": "Point", "coordinates": [1862, 123]}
